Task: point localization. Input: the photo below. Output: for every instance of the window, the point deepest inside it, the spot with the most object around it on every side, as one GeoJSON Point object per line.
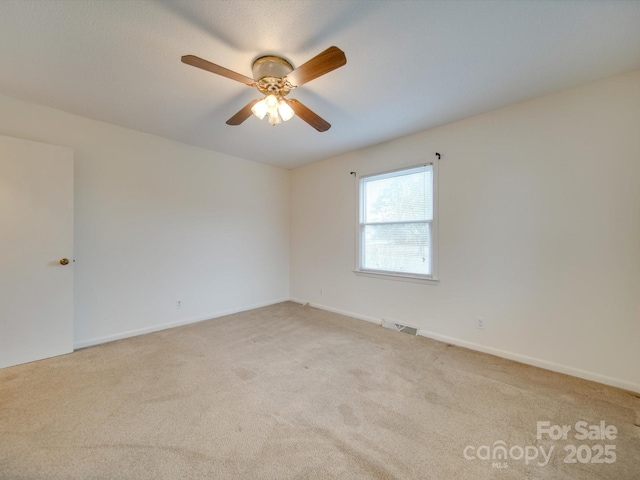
{"type": "Point", "coordinates": [397, 229]}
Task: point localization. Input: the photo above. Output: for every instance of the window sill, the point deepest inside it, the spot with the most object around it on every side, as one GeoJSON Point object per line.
{"type": "Point", "coordinates": [397, 277]}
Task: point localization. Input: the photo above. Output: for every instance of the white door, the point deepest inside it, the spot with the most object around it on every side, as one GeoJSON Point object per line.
{"type": "Point", "coordinates": [36, 234]}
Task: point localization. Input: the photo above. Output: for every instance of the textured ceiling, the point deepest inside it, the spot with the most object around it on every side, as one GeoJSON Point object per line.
{"type": "Point", "coordinates": [411, 65]}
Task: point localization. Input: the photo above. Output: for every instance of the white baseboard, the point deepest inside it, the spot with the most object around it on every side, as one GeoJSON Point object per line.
{"type": "Point", "coordinates": [164, 326]}
{"type": "Point", "coordinates": [536, 362]}
{"type": "Point", "coordinates": [341, 312]}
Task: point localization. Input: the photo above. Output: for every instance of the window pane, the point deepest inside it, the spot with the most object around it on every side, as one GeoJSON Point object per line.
{"type": "Point", "coordinates": [403, 248]}
{"type": "Point", "coordinates": [399, 198]}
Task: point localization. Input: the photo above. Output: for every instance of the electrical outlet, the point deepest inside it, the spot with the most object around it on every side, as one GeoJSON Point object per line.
{"type": "Point", "coordinates": [480, 323]}
{"type": "Point", "coordinates": [178, 303]}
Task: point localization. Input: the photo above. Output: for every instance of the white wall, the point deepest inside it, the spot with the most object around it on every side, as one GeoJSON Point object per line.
{"type": "Point", "coordinates": [539, 233]}
{"type": "Point", "coordinates": [157, 221]}
{"type": "Point", "coordinates": [539, 230]}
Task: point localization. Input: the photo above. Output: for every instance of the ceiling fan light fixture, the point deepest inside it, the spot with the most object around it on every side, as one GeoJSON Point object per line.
{"type": "Point", "coordinates": [274, 119]}
{"type": "Point", "coordinates": [272, 110]}
{"type": "Point", "coordinates": [260, 109]}
{"type": "Point", "coordinates": [275, 108]}
{"type": "Point", "coordinates": [271, 101]}
{"type": "Point", "coordinates": [286, 112]}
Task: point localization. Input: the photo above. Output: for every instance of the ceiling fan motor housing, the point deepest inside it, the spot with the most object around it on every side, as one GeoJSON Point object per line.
{"type": "Point", "coordinates": [268, 72]}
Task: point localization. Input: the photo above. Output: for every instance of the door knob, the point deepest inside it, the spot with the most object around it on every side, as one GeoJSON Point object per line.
{"type": "Point", "coordinates": [64, 261]}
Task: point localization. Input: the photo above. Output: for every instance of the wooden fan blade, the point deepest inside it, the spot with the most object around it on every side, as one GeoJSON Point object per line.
{"type": "Point", "coordinates": [217, 69]}
{"type": "Point", "coordinates": [308, 116]}
{"type": "Point", "coordinates": [243, 114]}
{"type": "Point", "coordinates": [322, 63]}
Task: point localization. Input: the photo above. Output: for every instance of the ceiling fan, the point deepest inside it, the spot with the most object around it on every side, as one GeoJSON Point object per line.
{"type": "Point", "coordinates": [275, 77]}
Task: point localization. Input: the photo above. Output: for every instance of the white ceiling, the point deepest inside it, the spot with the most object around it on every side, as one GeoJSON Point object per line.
{"type": "Point", "coordinates": [411, 65]}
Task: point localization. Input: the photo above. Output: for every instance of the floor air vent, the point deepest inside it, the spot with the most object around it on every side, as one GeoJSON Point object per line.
{"type": "Point", "coordinates": [398, 327]}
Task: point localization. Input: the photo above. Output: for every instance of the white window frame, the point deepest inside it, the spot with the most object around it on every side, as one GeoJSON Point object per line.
{"type": "Point", "coordinates": [400, 276]}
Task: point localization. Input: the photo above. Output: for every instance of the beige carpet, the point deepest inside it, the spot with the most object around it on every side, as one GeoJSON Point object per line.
{"type": "Point", "coordinates": [289, 391]}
